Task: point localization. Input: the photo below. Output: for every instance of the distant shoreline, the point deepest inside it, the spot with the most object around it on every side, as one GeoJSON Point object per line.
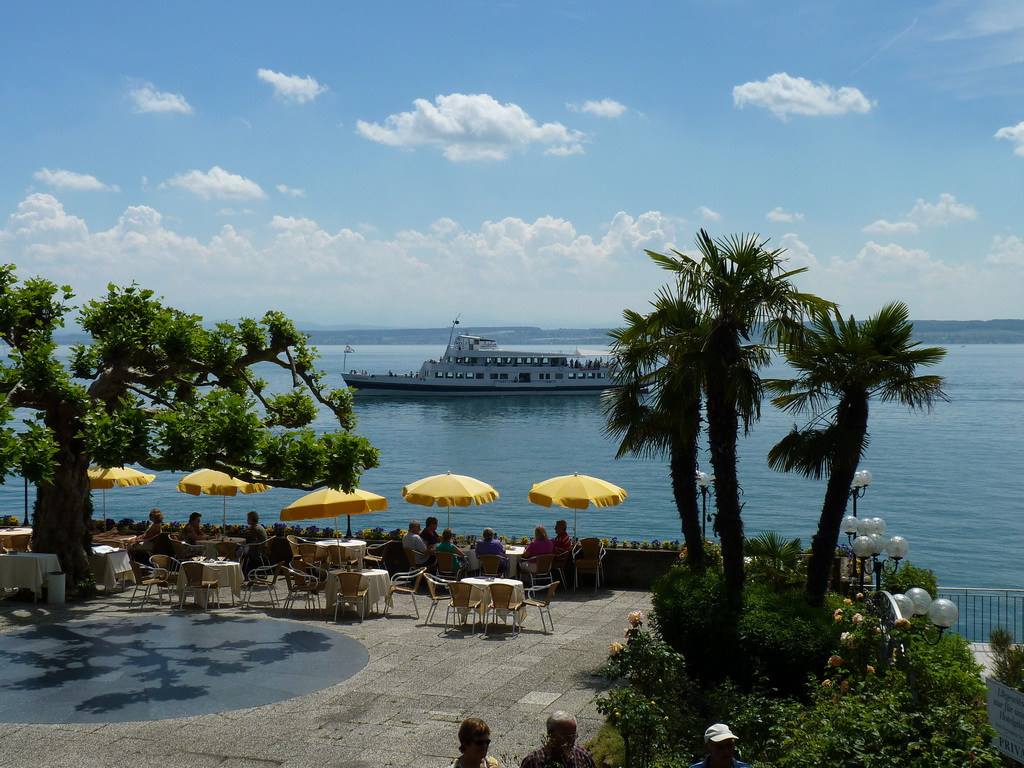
{"type": "Point", "coordinates": [944, 332]}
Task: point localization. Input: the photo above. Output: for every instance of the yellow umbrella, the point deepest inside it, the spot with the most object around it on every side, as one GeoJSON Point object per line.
{"type": "Point", "coordinates": [215, 483]}
{"type": "Point", "coordinates": [576, 492]}
{"type": "Point", "coordinates": [116, 477]}
{"type": "Point", "coordinates": [328, 502]}
{"type": "Point", "coordinates": [449, 490]}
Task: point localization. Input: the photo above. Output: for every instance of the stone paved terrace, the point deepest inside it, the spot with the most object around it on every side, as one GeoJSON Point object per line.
{"type": "Point", "coordinates": [402, 709]}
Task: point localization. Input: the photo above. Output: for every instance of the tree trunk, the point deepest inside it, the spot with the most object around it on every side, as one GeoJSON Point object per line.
{"type": "Point", "coordinates": [851, 417]}
{"type": "Point", "coordinates": [683, 468]}
{"type": "Point", "coordinates": [723, 431]}
{"type": "Point", "coordinates": [60, 526]}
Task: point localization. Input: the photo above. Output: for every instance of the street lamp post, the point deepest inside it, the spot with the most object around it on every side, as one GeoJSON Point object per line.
{"type": "Point", "coordinates": [861, 481]}
{"type": "Point", "coordinates": [704, 481]}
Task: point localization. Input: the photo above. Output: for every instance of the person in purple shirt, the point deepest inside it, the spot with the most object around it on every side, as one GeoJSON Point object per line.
{"type": "Point", "coordinates": [429, 533]}
{"type": "Point", "coordinates": [489, 545]}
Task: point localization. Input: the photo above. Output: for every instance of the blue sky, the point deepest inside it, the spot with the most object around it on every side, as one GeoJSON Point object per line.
{"type": "Point", "coordinates": [396, 164]}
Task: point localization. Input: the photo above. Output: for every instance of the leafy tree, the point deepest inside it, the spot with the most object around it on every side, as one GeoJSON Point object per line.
{"type": "Point", "coordinates": [655, 409]}
{"type": "Point", "coordinates": [847, 363]}
{"type": "Point", "coordinates": [738, 287]}
{"type": "Point", "coordinates": [156, 388]}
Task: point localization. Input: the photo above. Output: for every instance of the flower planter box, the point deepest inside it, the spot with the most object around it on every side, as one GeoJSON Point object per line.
{"type": "Point", "coordinates": [636, 568]}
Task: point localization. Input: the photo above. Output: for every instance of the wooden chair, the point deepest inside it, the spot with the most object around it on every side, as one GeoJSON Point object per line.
{"type": "Point", "coordinates": [541, 570]}
{"type": "Point", "coordinates": [179, 549]}
{"type": "Point", "coordinates": [503, 603]}
{"type": "Point", "coordinates": [293, 542]}
{"type": "Point", "coordinates": [437, 589]}
{"type": "Point", "coordinates": [194, 582]}
{"type": "Point", "coordinates": [304, 581]}
{"type": "Point", "coordinates": [21, 542]}
{"type": "Point", "coordinates": [311, 553]}
{"type": "Point", "coordinates": [588, 556]}
{"type": "Point", "coordinates": [341, 557]}
{"type": "Point", "coordinates": [490, 565]}
{"type": "Point", "coordinates": [261, 577]}
{"type": "Point", "coordinates": [544, 604]}
{"type": "Point", "coordinates": [407, 583]}
{"type": "Point", "coordinates": [352, 590]}
{"type": "Point", "coordinates": [168, 563]}
{"type": "Point", "coordinates": [462, 605]}
{"type": "Point", "coordinates": [374, 556]}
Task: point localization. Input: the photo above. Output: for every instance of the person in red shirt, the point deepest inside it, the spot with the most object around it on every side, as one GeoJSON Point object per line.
{"type": "Point", "coordinates": [563, 544]}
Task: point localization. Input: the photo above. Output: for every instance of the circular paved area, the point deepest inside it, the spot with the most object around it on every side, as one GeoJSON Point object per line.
{"type": "Point", "coordinates": [153, 668]}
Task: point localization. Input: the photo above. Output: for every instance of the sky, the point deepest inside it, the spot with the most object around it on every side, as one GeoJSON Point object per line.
{"type": "Point", "coordinates": [397, 164]}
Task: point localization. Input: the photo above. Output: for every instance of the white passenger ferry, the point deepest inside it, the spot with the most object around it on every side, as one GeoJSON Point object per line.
{"type": "Point", "coordinates": [476, 366]}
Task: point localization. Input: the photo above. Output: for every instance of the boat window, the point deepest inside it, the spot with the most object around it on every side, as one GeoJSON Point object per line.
{"type": "Point", "coordinates": [504, 376]}
{"type": "Point", "coordinates": [494, 375]}
{"type": "Point", "coordinates": [438, 375]}
{"type": "Point", "coordinates": [558, 376]}
{"type": "Point", "coordinates": [479, 375]}
{"type": "Point", "coordinates": [449, 375]}
{"type": "Point", "coordinates": [519, 361]}
{"type": "Point", "coordinates": [487, 360]}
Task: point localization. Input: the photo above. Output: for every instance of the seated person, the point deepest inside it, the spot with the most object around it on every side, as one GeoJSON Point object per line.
{"type": "Point", "coordinates": [145, 541]}
{"type": "Point", "coordinates": [193, 534]}
{"type": "Point", "coordinates": [541, 545]}
{"type": "Point", "coordinates": [429, 533]}
{"type": "Point", "coordinates": [422, 553]}
{"type": "Point", "coordinates": [563, 544]}
{"type": "Point", "coordinates": [489, 545]}
{"type": "Point", "coordinates": [448, 545]}
{"type": "Point", "coordinates": [255, 538]}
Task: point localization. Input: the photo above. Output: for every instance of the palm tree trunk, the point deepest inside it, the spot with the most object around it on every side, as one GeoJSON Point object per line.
{"type": "Point", "coordinates": [723, 431]}
{"type": "Point", "coordinates": [852, 419]}
{"type": "Point", "coordinates": [683, 468]}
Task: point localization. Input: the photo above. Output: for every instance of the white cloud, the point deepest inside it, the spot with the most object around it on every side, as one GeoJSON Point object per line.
{"type": "Point", "coordinates": [218, 183]}
{"type": "Point", "coordinates": [1008, 251]}
{"type": "Point", "coordinates": [148, 99]}
{"type": "Point", "coordinates": [778, 214]}
{"type": "Point", "coordinates": [946, 211]}
{"type": "Point", "coordinates": [292, 87]}
{"type": "Point", "coordinates": [603, 108]}
{"type": "Point", "coordinates": [784, 95]}
{"type": "Point", "coordinates": [471, 127]}
{"type": "Point", "coordinates": [1014, 133]}
{"type": "Point", "coordinates": [883, 227]}
{"type": "Point", "coordinates": [80, 182]}
{"type": "Point", "coordinates": [706, 214]}
{"type": "Point", "coordinates": [289, 192]}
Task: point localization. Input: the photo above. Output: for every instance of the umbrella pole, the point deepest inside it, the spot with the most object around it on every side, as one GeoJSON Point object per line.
{"type": "Point", "coordinates": [224, 518]}
{"type": "Point", "coordinates": [449, 517]}
{"type": "Point", "coordinates": [104, 509]}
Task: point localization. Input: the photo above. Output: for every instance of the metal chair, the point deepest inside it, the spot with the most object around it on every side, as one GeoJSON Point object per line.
{"type": "Point", "coordinates": [434, 587]}
{"type": "Point", "coordinates": [462, 605]}
{"type": "Point", "coordinates": [407, 583]}
{"type": "Point", "coordinates": [196, 583]}
{"type": "Point", "coordinates": [490, 565]}
{"type": "Point", "coordinates": [542, 605]}
{"type": "Point", "coordinates": [588, 556]}
{"type": "Point", "coordinates": [227, 549]}
{"type": "Point", "coordinates": [503, 602]}
{"type": "Point", "coordinates": [341, 557]}
{"type": "Point", "coordinates": [148, 578]}
{"type": "Point", "coordinates": [304, 581]}
{"type": "Point", "coordinates": [540, 572]}
{"type": "Point", "coordinates": [262, 577]}
{"type": "Point", "coordinates": [446, 566]}
{"type": "Point", "coordinates": [352, 590]}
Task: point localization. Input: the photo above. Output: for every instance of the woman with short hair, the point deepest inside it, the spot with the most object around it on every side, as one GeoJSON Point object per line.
{"type": "Point", "coordinates": [474, 741]}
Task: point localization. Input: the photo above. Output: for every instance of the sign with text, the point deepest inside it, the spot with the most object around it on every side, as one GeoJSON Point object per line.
{"type": "Point", "coordinates": [1006, 714]}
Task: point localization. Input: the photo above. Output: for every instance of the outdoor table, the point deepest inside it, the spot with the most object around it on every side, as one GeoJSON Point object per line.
{"type": "Point", "coordinates": [356, 547]}
{"type": "Point", "coordinates": [210, 545]}
{"type": "Point", "coordinates": [227, 572]}
{"type": "Point", "coordinates": [482, 592]}
{"type": "Point", "coordinates": [121, 540]}
{"type": "Point", "coordinates": [27, 570]}
{"type": "Point", "coordinates": [378, 582]}
{"type": "Point", "coordinates": [512, 552]}
{"type": "Point", "coordinates": [110, 565]}
{"type": "Point", "coordinates": [6, 533]}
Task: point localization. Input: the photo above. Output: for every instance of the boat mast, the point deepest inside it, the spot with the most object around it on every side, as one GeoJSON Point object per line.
{"type": "Point", "coordinates": [451, 334]}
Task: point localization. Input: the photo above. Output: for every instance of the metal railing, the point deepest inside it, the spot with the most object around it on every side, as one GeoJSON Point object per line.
{"type": "Point", "coordinates": [982, 610]}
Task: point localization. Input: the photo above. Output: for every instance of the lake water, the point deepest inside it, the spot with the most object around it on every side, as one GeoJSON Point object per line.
{"type": "Point", "coordinates": [950, 482]}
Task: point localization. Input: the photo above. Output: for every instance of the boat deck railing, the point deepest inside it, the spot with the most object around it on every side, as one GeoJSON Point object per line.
{"type": "Point", "coordinates": [982, 610]}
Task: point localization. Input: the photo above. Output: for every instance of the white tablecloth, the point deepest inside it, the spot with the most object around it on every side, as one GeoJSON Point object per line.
{"type": "Point", "coordinates": [111, 567]}
{"type": "Point", "coordinates": [377, 584]}
{"type": "Point", "coordinates": [355, 547]}
{"type": "Point", "coordinates": [27, 570]}
{"type": "Point", "coordinates": [482, 592]}
{"type": "Point", "coordinates": [513, 553]}
{"type": "Point", "coordinates": [228, 572]}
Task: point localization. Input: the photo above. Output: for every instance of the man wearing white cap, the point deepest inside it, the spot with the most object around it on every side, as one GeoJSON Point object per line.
{"type": "Point", "coordinates": [720, 743]}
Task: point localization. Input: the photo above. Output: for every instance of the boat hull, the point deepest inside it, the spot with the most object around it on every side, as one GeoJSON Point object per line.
{"type": "Point", "coordinates": [408, 386]}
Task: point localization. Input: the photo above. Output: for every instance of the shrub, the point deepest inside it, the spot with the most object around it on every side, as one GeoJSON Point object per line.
{"type": "Point", "coordinates": [909, 575]}
{"type": "Point", "coordinates": [1008, 667]}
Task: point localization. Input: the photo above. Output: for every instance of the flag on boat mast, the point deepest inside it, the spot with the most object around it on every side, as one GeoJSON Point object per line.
{"type": "Point", "coordinates": [344, 357]}
{"type": "Point", "coordinates": [349, 350]}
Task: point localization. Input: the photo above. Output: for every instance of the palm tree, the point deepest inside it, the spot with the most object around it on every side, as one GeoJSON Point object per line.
{"type": "Point", "coordinates": [739, 288]}
{"type": "Point", "coordinates": [849, 364]}
{"type": "Point", "coordinates": [655, 408]}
